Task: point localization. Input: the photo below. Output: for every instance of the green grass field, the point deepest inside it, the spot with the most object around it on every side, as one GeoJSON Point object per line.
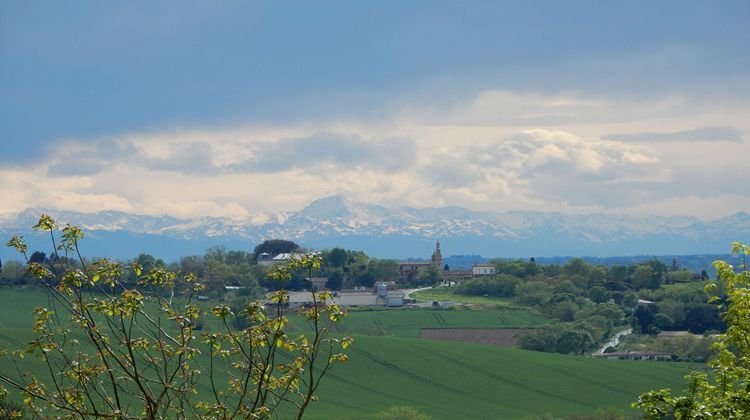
{"type": "Point", "coordinates": [693, 286]}
{"type": "Point", "coordinates": [446, 380]}
{"type": "Point", "coordinates": [408, 322]}
{"type": "Point", "coordinates": [453, 380]}
{"type": "Point", "coordinates": [449, 295]}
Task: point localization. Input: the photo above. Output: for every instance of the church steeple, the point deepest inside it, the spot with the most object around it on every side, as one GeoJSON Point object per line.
{"type": "Point", "coordinates": [437, 257]}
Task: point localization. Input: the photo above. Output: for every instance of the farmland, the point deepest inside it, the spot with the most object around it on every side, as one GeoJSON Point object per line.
{"type": "Point", "coordinates": [408, 322]}
{"type": "Point", "coordinates": [449, 295]}
{"type": "Point", "coordinates": [442, 379]}
{"type": "Point", "coordinates": [455, 380]}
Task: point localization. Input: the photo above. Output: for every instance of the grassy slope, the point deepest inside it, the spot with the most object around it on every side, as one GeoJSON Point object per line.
{"type": "Point", "coordinates": [693, 286]}
{"type": "Point", "coordinates": [453, 380]}
{"type": "Point", "coordinates": [450, 296]}
{"type": "Point", "coordinates": [444, 379]}
{"type": "Point", "coordinates": [408, 322]}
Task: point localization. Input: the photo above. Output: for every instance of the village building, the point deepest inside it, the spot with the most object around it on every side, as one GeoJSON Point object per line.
{"type": "Point", "coordinates": [457, 276]}
{"type": "Point", "coordinates": [408, 270]}
{"type": "Point", "coordinates": [265, 259]}
{"type": "Point", "coordinates": [484, 269]}
{"type": "Point", "coordinates": [437, 257]}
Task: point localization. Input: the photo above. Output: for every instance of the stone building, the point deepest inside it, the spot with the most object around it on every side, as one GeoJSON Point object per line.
{"type": "Point", "coordinates": [408, 270]}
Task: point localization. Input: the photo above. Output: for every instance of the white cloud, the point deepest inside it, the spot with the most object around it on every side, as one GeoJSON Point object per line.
{"type": "Point", "coordinates": [500, 151]}
{"type": "Point", "coordinates": [708, 134]}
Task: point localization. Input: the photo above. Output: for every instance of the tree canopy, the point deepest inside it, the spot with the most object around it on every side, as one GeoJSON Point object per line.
{"type": "Point", "coordinates": [724, 393]}
{"type": "Point", "coordinates": [119, 350]}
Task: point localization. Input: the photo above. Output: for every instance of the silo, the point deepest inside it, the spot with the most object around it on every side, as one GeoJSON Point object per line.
{"type": "Point", "coordinates": [382, 290]}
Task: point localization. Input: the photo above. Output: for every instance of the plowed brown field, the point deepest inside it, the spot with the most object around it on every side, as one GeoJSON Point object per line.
{"type": "Point", "coordinates": [502, 337]}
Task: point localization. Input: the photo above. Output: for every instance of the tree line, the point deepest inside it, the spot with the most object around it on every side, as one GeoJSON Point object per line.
{"type": "Point", "coordinates": [219, 267]}
{"type": "Point", "coordinates": [589, 303]}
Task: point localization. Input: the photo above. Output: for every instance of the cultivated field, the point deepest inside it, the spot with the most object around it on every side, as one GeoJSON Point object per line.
{"type": "Point", "coordinates": [447, 380]}
{"type": "Point", "coordinates": [467, 381]}
{"type": "Point", "coordinates": [503, 337]}
{"type": "Point", "coordinates": [409, 322]}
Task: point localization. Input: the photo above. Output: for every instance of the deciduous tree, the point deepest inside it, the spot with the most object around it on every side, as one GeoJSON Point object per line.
{"type": "Point", "coordinates": [724, 393]}
{"type": "Point", "coordinates": [118, 351]}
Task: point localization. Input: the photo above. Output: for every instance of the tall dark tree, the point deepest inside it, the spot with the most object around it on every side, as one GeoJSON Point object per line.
{"type": "Point", "coordinates": [644, 318]}
{"type": "Point", "coordinates": [147, 262]}
{"type": "Point", "coordinates": [38, 257]}
{"type": "Point", "coordinates": [335, 280]}
{"type": "Point", "coordinates": [576, 266]}
{"type": "Point", "coordinates": [337, 257]}
{"type": "Point", "coordinates": [574, 341]}
{"type": "Point", "coordinates": [659, 270]}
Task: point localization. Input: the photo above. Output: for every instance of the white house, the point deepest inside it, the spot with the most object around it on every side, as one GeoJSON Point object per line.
{"type": "Point", "coordinates": [483, 270]}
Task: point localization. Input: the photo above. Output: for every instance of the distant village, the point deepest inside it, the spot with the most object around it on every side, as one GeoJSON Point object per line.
{"type": "Point", "coordinates": [385, 291]}
{"type": "Point", "coordinates": [589, 305]}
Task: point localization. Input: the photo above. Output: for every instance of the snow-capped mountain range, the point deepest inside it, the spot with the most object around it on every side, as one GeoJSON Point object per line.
{"type": "Point", "coordinates": [395, 233]}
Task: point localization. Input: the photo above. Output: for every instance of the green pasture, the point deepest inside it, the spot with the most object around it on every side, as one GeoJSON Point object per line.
{"type": "Point", "coordinates": [449, 295]}
{"type": "Point", "coordinates": [408, 322]}
{"type": "Point", "coordinates": [446, 380]}
{"type": "Point", "coordinates": [693, 286]}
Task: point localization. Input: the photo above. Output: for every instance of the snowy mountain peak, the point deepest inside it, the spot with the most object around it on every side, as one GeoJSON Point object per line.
{"type": "Point", "coordinates": [327, 207]}
{"type": "Point", "coordinates": [339, 221]}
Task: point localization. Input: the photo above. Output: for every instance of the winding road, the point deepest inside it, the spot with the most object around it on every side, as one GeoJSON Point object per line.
{"type": "Point", "coordinates": [614, 341]}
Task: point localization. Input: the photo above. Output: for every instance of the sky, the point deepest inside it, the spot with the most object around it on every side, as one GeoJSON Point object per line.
{"type": "Point", "coordinates": [239, 108]}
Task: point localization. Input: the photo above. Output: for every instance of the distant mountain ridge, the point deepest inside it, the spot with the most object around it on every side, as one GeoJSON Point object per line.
{"type": "Point", "coordinates": [402, 232]}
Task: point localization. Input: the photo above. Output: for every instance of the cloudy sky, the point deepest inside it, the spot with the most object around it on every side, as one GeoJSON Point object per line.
{"type": "Point", "coordinates": [237, 108]}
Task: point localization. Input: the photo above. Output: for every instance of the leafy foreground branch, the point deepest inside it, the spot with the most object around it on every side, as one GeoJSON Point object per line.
{"type": "Point", "coordinates": [111, 350]}
{"type": "Point", "coordinates": [725, 394]}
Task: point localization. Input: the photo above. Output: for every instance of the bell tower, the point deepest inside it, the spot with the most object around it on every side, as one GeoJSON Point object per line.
{"type": "Point", "coordinates": [437, 257]}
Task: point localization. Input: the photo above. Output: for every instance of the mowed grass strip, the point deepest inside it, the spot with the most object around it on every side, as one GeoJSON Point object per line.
{"type": "Point", "coordinates": [449, 295]}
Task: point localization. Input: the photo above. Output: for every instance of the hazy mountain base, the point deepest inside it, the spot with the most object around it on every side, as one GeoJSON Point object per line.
{"type": "Point", "coordinates": [404, 231]}
{"type": "Point", "coordinates": [121, 245]}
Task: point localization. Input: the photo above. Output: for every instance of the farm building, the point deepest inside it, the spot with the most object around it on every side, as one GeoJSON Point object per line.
{"type": "Point", "coordinates": [394, 299]}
